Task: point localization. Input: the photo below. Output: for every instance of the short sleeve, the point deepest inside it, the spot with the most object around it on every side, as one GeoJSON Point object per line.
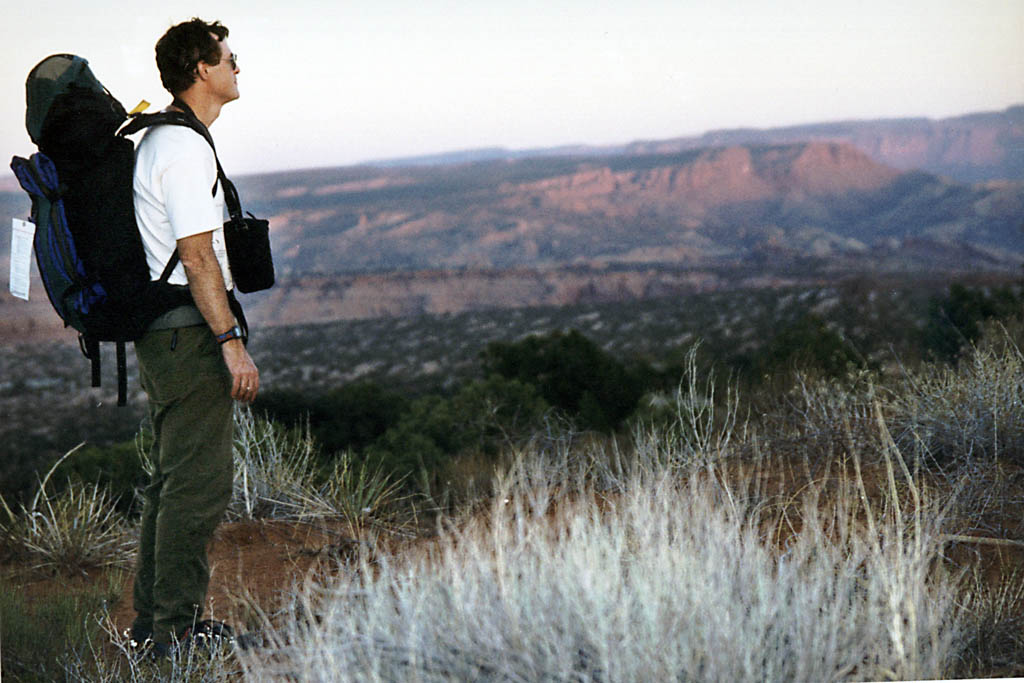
{"type": "Point", "coordinates": [187, 187]}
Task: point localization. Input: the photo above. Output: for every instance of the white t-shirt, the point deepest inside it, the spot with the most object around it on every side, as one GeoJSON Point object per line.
{"type": "Point", "coordinates": [175, 169]}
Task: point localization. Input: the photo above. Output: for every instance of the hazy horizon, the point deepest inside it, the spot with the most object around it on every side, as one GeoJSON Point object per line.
{"type": "Point", "coordinates": [625, 142]}
{"type": "Point", "coordinates": [335, 85]}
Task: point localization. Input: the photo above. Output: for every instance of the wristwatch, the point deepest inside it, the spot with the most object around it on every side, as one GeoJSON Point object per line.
{"type": "Point", "coordinates": [234, 333]}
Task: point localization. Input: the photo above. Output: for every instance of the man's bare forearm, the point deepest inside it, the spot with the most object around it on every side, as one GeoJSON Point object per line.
{"type": "Point", "coordinates": [206, 282]}
{"type": "Point", "coordinates": [207, 286]}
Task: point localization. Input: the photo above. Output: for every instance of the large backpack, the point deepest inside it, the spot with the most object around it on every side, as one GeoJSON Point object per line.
{"type": "Point", "coordinates": [87, 243]}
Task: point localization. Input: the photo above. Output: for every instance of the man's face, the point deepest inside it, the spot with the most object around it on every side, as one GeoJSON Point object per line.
{"type": "Point", "coordinates": [224, 75]}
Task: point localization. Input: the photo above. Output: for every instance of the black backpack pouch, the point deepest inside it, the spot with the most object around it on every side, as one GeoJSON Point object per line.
{"type": "Point", "coordinates": [247, 240]}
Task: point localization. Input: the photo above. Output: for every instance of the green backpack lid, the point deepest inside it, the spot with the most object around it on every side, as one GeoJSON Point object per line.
{"type": "Point", "coordinates": [49, 79]}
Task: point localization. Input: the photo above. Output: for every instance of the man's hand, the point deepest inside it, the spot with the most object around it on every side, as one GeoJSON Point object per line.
{"type": "Point", "coordinates": [245, 378]}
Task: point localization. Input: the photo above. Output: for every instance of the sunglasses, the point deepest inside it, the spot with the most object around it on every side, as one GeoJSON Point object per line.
{"type": "Point", "coordinates": [231, 59]}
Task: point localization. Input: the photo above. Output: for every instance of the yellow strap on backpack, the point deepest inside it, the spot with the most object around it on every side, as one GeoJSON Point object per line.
{"type": "Point", "coordinates": [142, 106]}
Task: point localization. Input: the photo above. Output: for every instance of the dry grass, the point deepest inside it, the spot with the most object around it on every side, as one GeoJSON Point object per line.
{"type": "Point", "coordinates": [850, 534]}
{"type": "Point", "coordinates": [669, 578]}
{"type": "Point", "coordinates": [277, 477]}
{"type": "Point", "coordinates": [70, 532]}
{"type": "Point", "coordinates": [812, 544]}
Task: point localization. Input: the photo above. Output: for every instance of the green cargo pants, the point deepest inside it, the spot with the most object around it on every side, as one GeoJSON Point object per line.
{"type": "Point", "coordinates": [190, 405]}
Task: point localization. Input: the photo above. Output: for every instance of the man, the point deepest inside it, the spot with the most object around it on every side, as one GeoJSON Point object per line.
{"type": "Point", "coordinates": [192, 360]}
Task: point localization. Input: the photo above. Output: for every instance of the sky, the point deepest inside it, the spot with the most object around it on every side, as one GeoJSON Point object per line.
{"type": "Point", "coordinates": [335, 82]}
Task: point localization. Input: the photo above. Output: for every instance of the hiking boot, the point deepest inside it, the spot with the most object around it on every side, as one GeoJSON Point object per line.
{"type": "Point", "coordinates": [139, 641]}
{"type": "Point", "coordinates": [205, 636]}
{"type": "Point", "coordinates": [137, 637]}
{"type": "Point", "coordinates": [209, 633]}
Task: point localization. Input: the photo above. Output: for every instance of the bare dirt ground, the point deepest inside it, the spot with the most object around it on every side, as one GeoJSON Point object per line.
{"type": "Point", "coordinates": [256, 568]}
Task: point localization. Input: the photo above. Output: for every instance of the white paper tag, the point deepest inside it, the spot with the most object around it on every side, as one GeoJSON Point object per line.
{"type": "Point", "coordinates": [22, 233]}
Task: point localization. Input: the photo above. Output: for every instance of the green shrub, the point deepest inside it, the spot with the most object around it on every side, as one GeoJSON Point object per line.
{"type": "Point", "coordinates": [808, 345]}
{"type": "Point", "coordinates": [350, 417]}
{"type": "Point", "coordinates": [572, 374]}
{"type": "Point", "coordinates": [955, 321]}
{"type": "Point", "coordinates": [482, 417]}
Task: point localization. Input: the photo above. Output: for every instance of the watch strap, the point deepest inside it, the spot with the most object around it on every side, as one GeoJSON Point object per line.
{"type": "Point", "coordinates": [234, 333]}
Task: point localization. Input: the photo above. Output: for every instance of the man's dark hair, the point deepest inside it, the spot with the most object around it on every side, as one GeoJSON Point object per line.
{"type": "Point", "coordinates": [180, 50]}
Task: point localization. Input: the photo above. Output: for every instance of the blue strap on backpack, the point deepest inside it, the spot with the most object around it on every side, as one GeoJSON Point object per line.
{"type": "Point", "coordinates": [63, 273]}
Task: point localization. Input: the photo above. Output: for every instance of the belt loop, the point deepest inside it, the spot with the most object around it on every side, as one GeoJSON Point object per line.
{"type": "Point", "coordinates": [174, 339]}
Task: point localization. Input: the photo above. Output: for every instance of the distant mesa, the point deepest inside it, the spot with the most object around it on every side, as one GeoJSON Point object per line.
{"type": "Point", "coordinates": [502, 229]}
{"type": "Point", "coordinates": [694, 207]}
{"type": "Point", "coordinates": [716, 177]}
{"type": "Point", "coordinates": [970, 148]}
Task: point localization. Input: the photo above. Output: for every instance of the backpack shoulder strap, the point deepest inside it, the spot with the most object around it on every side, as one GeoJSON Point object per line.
{"type": "Point", "coordinates": [186, 117]}
{"type": "Point", "coordinates": [138, 122]}
{"type": "Point", "coordinates": [172, 118]}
